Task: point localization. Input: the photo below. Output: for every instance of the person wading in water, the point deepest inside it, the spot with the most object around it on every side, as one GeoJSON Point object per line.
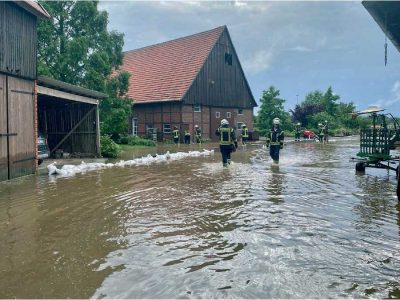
{"type": "Point", "coordinates": [275, 140]}
{"type": "Point", "coordinates": [227, 141]}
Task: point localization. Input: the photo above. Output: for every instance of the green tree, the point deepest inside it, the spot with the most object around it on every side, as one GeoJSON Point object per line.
{"type": "Point", "coordinates": [328, 101]}
{"type": "Point", "coordinates": [115, 110]}
{"type": "Point", "coordinates": [75, 46]}
{"type": "Point", "coordinates": [271, 107]}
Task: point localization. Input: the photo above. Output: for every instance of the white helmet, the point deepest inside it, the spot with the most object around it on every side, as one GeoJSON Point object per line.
{"type": "Point", "coordinates": [243, 125]}
{"type": "Point", "coordinates": [276, 121]}
{"type": "Point", "coordinates": [224, 122]}
{"type": "Point", "coordinates": [196, 126]}
{"type": "Point", "coordinates": [319, 124]}
{"type": "Point", "coordinates": [298, 124]}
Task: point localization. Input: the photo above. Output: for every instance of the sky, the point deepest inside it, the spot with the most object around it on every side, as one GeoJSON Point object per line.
{"type": "Point", "coordinates": [296, 46]}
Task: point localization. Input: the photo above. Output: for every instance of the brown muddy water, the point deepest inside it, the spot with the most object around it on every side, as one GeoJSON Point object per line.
{"type": "Point", "coordinates": [310, 228]}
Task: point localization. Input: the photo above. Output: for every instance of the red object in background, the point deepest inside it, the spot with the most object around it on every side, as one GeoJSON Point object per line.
{"type": "Point", "coordinates": [308, 134]}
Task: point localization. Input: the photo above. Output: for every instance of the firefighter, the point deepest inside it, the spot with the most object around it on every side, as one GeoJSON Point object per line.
{"type": "Point", "coordinates": [297, 132]}
{"type": "Point", "coordinates": [245, 134]}
{"type": "Point", "coordinates": [227, 141]}
{"type": "Point", "coordinates": [275, 140]}
{"type": "Point", "coordinates": [187, 136]}
{"type": "Point", "coordinates": [323, 132]}
{"type": "Point", "coordinates": [197, 134]}
{"type": "Point", "coordinates": [175, 135]}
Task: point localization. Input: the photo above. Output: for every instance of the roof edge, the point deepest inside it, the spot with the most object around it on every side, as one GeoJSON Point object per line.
{"type": "Point", "coordinates": [34, 8]}
{"type": "Point", "coordinates": [70, 88]}
{"type": "Point", "coordinates": [169, 41]}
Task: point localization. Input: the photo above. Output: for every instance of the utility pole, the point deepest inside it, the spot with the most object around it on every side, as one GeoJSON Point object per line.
{"type": "Point", "coordinates": [297, 96]}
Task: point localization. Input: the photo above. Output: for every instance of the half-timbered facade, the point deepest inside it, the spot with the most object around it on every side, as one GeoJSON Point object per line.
{"type": "Point", "coordinates": [194, 80]}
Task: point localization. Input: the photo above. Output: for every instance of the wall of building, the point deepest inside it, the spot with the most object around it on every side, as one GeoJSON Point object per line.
{"type": "Point", "coordinates": [183, 116]}
{"type": "Point", "coordinates": [17, 41]}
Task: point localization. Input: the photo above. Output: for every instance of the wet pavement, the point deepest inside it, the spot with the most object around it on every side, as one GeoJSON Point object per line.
{"type": "Point", "coordinates": [308, 228]}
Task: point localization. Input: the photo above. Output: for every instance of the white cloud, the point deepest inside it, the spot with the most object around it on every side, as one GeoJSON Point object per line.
{"type": "Point", "coordinates": [301, 49]}
{"type": "Point", "coordinates": [259, 62]}
{"type": "Point", "coordinates": [394, 96]}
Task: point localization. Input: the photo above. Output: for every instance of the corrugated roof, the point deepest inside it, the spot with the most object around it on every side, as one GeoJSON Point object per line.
{"type": "Point", "coordinates": [33, 7]}
{"type": "Point", "coordinates": [165, 71]}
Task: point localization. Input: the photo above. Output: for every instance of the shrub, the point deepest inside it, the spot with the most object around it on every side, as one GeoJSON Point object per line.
{"type": "Point", "coordinates": [136, 141]}
{"type": "Point", "coordinates": [108, 147]}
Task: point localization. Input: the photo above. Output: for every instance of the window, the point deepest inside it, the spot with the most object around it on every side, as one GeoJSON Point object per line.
{"type": "Point", "coordinates": [197, 108]}
{"type": "Point", "coordinates": [167, 128]}
{"type": "Point", "coordinates": [134, 126]}
{"type": "Point", "coordinates": [228, 59]}
{"type": "Point", "coordinates": [217, 114]}
{"type": "Point", "coordinates": [239, 125]}
{"type": "Point", "coordinates": [240, 111]}
{"type": "Point", "coordinates": [228, 114]}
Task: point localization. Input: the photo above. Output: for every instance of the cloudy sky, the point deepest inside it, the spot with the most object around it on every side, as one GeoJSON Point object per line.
{"type": "Point", "coordinates": [296, 46]}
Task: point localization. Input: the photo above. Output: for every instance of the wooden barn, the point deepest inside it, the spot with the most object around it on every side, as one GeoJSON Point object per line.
{"type": "Point", "coordinates": [193, 80]}
{"type": "Point", "coordinates": [18, 54]}
{"type": "Point", "coordinates": [66, 115]}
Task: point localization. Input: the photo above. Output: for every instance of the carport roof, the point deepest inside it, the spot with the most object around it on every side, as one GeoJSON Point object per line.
{"type": "Point", "coordinates": [59, 89]}
{"type": "Point", "coordinates": [387, 15]}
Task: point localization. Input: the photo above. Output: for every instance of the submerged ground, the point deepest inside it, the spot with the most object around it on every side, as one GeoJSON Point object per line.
{"type": "Point", "coordinates": [308, 228]}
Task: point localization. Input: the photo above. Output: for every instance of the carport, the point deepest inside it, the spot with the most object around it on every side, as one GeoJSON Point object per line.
{"type": "Point", "coordinates": [68, 116]}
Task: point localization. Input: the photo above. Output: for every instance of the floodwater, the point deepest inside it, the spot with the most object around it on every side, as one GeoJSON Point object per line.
{"type": "Point", "coordinates": [308, 228]}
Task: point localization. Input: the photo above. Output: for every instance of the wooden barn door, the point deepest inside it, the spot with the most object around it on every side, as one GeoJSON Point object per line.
{"type": "Point", "coordinates": [21, 145]}
{"type": "Point", "coordinates": [3, 130]}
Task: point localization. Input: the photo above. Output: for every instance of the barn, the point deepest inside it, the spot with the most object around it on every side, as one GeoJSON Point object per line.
{"type": "Point", "coordinates": [67, 115]}
{"type": "Point", "coordinates": [193, 80]}
{"type": "Point", "coordinates": [18, 53]}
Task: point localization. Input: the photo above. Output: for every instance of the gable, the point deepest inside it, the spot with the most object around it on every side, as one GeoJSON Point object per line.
{"type": "Point", "coordinates": [221, 81]}
{"type": "Point", "coordinates": [165, 71]}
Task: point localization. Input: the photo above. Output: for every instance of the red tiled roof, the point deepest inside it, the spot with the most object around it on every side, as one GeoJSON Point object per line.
{"type": "Point", "coordinates": [33, 7]}
{"type": "Point", "coordinates": [165, 71]}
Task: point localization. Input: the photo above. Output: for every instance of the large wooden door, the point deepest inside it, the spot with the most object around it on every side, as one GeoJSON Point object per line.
{"type": "Point", "coordinates": [21, 139]}
{"type": "Point", "coordinates": [3, 130]}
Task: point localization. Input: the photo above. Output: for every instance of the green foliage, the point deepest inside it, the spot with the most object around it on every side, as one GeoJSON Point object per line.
{"type": "Point", "coordinates": [271, 107]}
{"type": "Point", "coordinates": [108, 147]}
{"type": "Point", "coordinates": [115, 110]}
{"type": "Point", "coordinates": [136, 141]}
{"type": "Point", "coordinates": [318, 107]}
{"type": "Point", "coordinates": [75, 46]}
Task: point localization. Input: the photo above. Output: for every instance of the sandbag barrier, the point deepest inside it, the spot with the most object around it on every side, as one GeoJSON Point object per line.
{"type": "Point", "coordinates": [70, 170]}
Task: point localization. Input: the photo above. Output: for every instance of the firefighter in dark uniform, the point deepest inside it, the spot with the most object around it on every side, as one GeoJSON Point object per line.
{"type": "Point", "coordinates": [187, 136]}
{"type": "Point", "coordinates": [175, 135]}
{"type": "Point", "coordinates": [275, 140]}
{"type": "Point", "coordinates": [197, 134]}
{"type": "Point", "coordinates": [245, 134]}
{"type": "Point", "coordinates": [323, 131]}
{"type": "Point", "coordinates": [297, 132]}
{"type": "Point", "coordinates": [227, 141]}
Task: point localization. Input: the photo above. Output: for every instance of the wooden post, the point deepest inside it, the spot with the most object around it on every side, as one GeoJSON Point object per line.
{"type": "Point", "coordinates": [398, 183]}
{"type": "Point", "coordinates": [98, 132]}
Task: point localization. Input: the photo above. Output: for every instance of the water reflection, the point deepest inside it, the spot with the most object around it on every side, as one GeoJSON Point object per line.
{"type": "Point", "coordinates": [308, 228]}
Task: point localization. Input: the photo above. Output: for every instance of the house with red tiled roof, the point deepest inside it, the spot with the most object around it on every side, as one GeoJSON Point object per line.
{"type": "Point", "coordinates": [193, 80]}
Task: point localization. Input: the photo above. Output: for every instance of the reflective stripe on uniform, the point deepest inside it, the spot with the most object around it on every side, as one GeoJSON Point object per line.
{"type": "Point", "coordinates": [225, 136]}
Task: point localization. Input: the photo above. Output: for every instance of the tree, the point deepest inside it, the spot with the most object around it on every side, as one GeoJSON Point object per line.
{"type": "Point", "coordinates": [328, 101]}
{"type": "Point", "coordinates": [303, 111]}
{"type": "Point", "coordinates": [115, 110]}
{"type": "Point", "coordinates": [76, 47]}
{"type": "Point", "coordinates": [271, 107]}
